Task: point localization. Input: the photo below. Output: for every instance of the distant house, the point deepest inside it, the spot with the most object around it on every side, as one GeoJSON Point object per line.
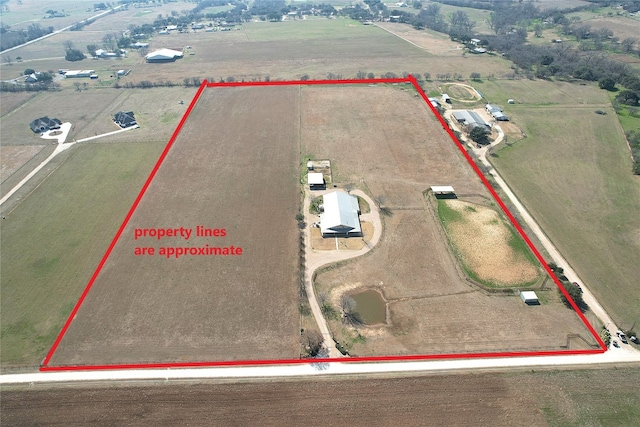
{"type": "Point", "coordinates": [470, 118]}
{"type": "Point", "coordinates": [44, 124]}
{"type": "Point", "coordinates": [139, 45]}
{"type": "Point", "coordinates": [78, 73]}
{"type": "Point", "coordinates": [341, 216]}
{"type": "Point", "coordinates": [446, 98]}
{"type": "Point", "coordinates": [435, 102]}
{"type": "Point", "coordinates": [316, 181]}
{"type": "Point", "coordinates": [102, 53]}
{"type": "Point", "coordinates": [164, 55]}
{"type": "Point", "coordinates": [125, 119]}
{"type": "Point", "coordinates": [496, 112]}
{"type": "Point", "coordinates": [33, 77]}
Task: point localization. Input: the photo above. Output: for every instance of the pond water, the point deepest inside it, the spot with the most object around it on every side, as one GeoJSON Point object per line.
{"type": "Point", "coordinates": [370, 306]}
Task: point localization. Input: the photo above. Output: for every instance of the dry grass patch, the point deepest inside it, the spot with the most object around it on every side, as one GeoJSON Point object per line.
{"type": "Point", "coordinates": [485, 245]}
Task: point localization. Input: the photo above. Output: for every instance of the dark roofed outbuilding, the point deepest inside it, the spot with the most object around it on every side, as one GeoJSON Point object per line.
{"type": "Point", "coordinates": [125, 119]}
{"type": "Point", "coordinates": [44, 124]}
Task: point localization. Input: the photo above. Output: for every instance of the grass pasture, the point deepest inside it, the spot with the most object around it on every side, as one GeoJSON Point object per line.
{"type": "Point", "coordinates": [53, 240]}
{"type": "Point", "coordinates": [22, 14]}
{"type": "Point", "coordinates": [234, 167]}
{"type": "Point", "coordinates": [490, 251]}
{"type": "Point", "coordinates": [573, 172]}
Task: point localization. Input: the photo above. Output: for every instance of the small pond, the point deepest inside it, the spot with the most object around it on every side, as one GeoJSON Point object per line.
{"type": "Point", "coordinates": [370, 306]}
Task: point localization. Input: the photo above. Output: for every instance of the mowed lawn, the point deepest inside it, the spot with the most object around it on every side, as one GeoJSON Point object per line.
{"type": "Point", "coordinates": [53, 240]}
{"type": "Point", "coordinates": [573, 173]}
{"type": "Point", "coordinates": [234, 166]}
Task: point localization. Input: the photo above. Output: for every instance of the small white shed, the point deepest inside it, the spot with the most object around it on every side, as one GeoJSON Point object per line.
{"type": "Point", "coordinates": [316, 181]}
{"type": "Point", "coordinates": [529, 297]}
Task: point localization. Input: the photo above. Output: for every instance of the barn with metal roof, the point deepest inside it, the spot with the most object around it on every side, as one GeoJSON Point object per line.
{"type": "Point", "coordinates": [341, 216]}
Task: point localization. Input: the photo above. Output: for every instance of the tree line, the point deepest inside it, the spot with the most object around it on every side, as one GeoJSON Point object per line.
{"type": "Point", "coordinates": [11, 38]}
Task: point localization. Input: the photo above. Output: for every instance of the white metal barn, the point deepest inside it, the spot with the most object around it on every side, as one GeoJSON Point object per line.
{"type": "Point", "coordinates": [529, 297]}
{"type": "Point", "coordinates": [316, 181]}
{"type": "Point", "coordinates": [341, 217]}
{"type": "Point", "coordinates": [164, 55]}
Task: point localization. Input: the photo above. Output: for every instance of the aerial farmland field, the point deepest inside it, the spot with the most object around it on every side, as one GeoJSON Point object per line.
{"type": "Point", "coordinates": [397, 149]}
{"type": "Point", "coordinates": [232, 168]}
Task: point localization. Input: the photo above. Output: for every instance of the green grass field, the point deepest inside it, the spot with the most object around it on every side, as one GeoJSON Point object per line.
{"type": "Point", "coordinates": [53, 241]}
{"type": "Point", "coordinates": [33, 11]}
{"type": "Point", "coordinates": [308, 29]}
{"type": "Point", "coordinates": [573, 173]}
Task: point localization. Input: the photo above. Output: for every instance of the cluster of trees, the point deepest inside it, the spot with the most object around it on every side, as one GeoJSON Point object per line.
{"type": "Point", "coordinates": [32, 87]}
{"type": "Point", "coordinates": [372, 10]}
{"type": "Point", "coordinates": [630, 6]}
{"type": "Point", "coordinates": [633, 137]}
{"type": "Point", "coordinates": [112, 42]}
{"type": "Point", "coordinates": [573, 289]}
{"type": "Point", "coordinates": [71, 53]}
{"type": "Point", "coordinates": [41, 77]}
{"type": "Point", "coordinates": [10, 38]}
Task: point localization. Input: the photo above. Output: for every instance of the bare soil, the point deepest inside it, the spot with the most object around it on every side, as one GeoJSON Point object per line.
{"type": "Point", "coordinates": [482, 238]}
{"type": "Point", "coordinates": [13, 157]}
{"type": "Point", "coordinates": [496, 399]}
{"type": "Point", "coordinates": [152, 309]}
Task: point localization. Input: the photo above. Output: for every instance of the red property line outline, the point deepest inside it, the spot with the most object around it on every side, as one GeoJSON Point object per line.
{"type": "Point", "coordinates": [410, 79]}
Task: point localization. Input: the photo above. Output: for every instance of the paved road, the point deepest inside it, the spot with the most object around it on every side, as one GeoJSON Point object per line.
{"type": "Point", "coordinates": [612, 357]}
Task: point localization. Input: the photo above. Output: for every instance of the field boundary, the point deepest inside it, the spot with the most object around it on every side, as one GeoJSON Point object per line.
{"type": "Point", "coordinates": [408, 80]}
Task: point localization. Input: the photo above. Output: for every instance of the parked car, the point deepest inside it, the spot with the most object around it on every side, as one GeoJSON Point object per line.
{"type": "Point", "coordinates": [615, 344]}
{"type": "Point", "coordinates": [622, 337]}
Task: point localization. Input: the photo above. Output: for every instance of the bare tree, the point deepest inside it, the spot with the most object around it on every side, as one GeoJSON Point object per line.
{"type": "Point", "coordinates": [68, 44]}
{"type": "Point", "coordinates": [348, 187]}
{"type": "Point", "coordinates": [110, 42]}
{"type": "Point", "coordinates": [537, 30]}
{"type": "Point", "coordinates": [312, 341]}
{"type": "Point", "coordinates": [628, 43]}
{"type": "Point", "coordinates": [380, 203]}
{"type": "Point", "coordinates": [349, 311]}
{"type": "Point", "coordinates": [7, 60]}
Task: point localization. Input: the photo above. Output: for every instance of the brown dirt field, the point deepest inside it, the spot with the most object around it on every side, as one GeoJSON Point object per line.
{"type": "Point", "coordinates": [207, 308]}
{"type": "Point", "coordinates": [496, 399]}
{"type": "Point", "coordinates": [9, 101]}
{"type": "Point", "coordinates": [397, 149]}
{"type": "Point", "coordinates": [511, 130]}
{"type": "Point", "coordinates": [435, 43]}
{"type": "Point", "coordinates": [482, 238]}
{"type": "Point", "coordinates": [621, 26]}
{"type": "Point", "coordinates": [13, 157]}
